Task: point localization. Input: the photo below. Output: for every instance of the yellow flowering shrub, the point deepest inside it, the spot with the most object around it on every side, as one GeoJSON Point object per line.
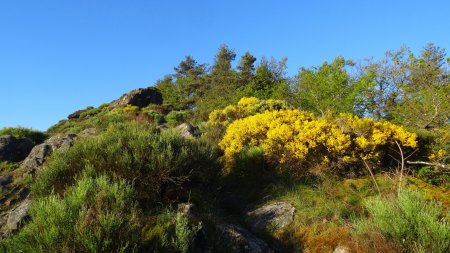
{"type": "Point", "coordinates": [440, 148]}
{"type": "Point", "coordinates": [125, 109]}
{"type": "Point", "coordinates": [247, 106]}
{"type": "Point", "coordinates": [293, 136]}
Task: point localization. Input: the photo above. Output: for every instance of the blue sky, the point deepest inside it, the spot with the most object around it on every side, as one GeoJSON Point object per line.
{"type": "Point", "coordinates": [59, 56]}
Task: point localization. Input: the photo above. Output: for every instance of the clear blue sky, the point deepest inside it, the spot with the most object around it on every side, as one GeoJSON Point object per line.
{"type": "Point", "coordinates": [59, 56]}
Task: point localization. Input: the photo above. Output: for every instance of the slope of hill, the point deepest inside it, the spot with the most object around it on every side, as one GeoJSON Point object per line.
{"type": "Point", "coordinates": [259, 176]}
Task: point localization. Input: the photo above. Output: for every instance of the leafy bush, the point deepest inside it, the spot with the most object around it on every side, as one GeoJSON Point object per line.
{"type": "Point", "coordinates": [22, 132]}
{"type": "Point", "coordinates": [157, 164]}
{"type": "Point", "coordinates": [408, 220]}
{"type": "Point", "coordinates": [95, 215]}
{"type": "Point", "coordinates": [177, 117]}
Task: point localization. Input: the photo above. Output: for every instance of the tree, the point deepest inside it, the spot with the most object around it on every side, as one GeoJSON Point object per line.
{"type": "Point", "coordinates": [246, 68]}
{"type": "Point", "coordinates": [222, 73]}
{"type": "Point", "coordinates": [221, 84]}
{"type": "Point", "coordinates": [381, 81]}
{"type": "Point", "coordinates": [424, 100]}
{"type": "Point", "coordinates": [268, 80]}
{"type": "Point", "coordinates": [327, 88]}
{"type": "Point", "coordinates": [182, 89]}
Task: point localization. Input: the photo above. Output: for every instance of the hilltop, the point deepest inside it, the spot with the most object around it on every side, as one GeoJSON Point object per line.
{"type": "Point", "coordinates": [242, 160]}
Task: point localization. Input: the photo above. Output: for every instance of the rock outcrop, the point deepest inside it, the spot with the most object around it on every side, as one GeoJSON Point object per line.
{"type": "Point", "coordinates": [275, 215]}
{"type": "Point", "coordinates": [77, 114]}
{"type": "Point", "coordinates": [14, 149]}
{"type": "Point", "coordinates": [140, 97]}
{"type": "Point", "coordinates": [40, 152]}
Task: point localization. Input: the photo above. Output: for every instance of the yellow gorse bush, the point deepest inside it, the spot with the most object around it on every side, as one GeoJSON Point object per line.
{"type": "Point", "coordinates": [247, 106]}
{"type": "Point", "coordinates": [291, 136]}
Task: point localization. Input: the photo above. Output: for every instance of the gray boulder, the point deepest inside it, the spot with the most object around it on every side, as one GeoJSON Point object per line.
{"type": "Point", "coordinates": [77, 114]}
{"type": "Point", "coordinates": [14, 149]}
{"type": "Point", "coordinates": [16, 216]}
{"type": "Point", "coordinates": [187, 130]}
{"type": "Point", "coordinates": [237, 239]}
{"type": "Point", "coordinates": [275, 215]}
{"type": "Point", "coordinates": [88, 132]}
{"type": "Point", "coordinates": [140, 97]}
{"type": "Point", "coordinates": [40, 152]}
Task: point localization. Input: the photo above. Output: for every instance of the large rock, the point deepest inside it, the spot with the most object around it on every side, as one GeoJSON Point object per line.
{"type": "Point", "coordinates": [140, 97]}
{"type": "Point", "coordinates": [237, 239]}
{"type": "Point", "coordinates": [40, 152]}
{"type": "Point", "coordinates": [16, 216]}
{"type": "Point", "coordinates": [13, 149]}
{"type": "Point", "coordinates": [187, 130]}
{"type": "Point", "coordinates": [275, 215]}
{"type": "Point", "coordinates": [77, 114]}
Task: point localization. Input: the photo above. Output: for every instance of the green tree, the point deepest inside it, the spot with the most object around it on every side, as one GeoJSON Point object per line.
{"type": "Point", "coordinates": [182, 89]}
{"type": "Point", "coordinates": [424, 100]}
{"type": "Point", "coordinates": [269, 80]}
{"type": "Point", "coordinates": [381, 81]}
{"type": "Point", "coordinates": [327, 88]}
{"type": "Point", "coordinates": [246, 68]}
{"type": "Point", "coordinates": [221, 85]}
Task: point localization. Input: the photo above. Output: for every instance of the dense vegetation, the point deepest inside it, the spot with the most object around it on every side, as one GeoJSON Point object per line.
{"type": "Point", "coordinates": [360, 149]}
{"type": "Point", "coordinates": [35, 136]}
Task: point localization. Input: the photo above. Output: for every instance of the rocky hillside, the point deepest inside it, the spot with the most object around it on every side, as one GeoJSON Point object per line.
{"type": "Point", "coordinates": [134, 175]}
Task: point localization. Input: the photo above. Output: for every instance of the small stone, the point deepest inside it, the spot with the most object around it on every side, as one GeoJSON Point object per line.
{"type": "Point", "coordinates": [5, 180]}
{"type": "Point", "coordinates": [276, 215]}
{"type": "Point", "coordinates": [341, 249]}
{"type": "Point", "coordinates": [187, 130]}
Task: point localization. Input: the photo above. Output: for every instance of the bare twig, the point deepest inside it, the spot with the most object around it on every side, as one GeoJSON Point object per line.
{"type": "Point", "coordinates": [373, 177]}
{"type": "Point", "coordinates": [439, 165]}
{"type": "Point", "coordinates": [402, 167]}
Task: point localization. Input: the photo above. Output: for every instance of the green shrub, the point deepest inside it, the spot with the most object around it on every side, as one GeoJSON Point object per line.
{"type": "Point", "coordinates": [22, 132]}
{"type": "Point", "coordinates": [177, 117]}
{"type": "Point", "coordinates": [157, 164]}
{"type": "Point", "coordinates": [90, 112]}
{"type": "Point", "coordinates": [408, 220]}
{"type": "Point", "coordinates": [155, 116]}
{"type": "Point", "coordinates": [95, 215]}
{"type": "Point", "coordinates": [101, 121]}
{"type": "Point", "coordinates": [172, 232]}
